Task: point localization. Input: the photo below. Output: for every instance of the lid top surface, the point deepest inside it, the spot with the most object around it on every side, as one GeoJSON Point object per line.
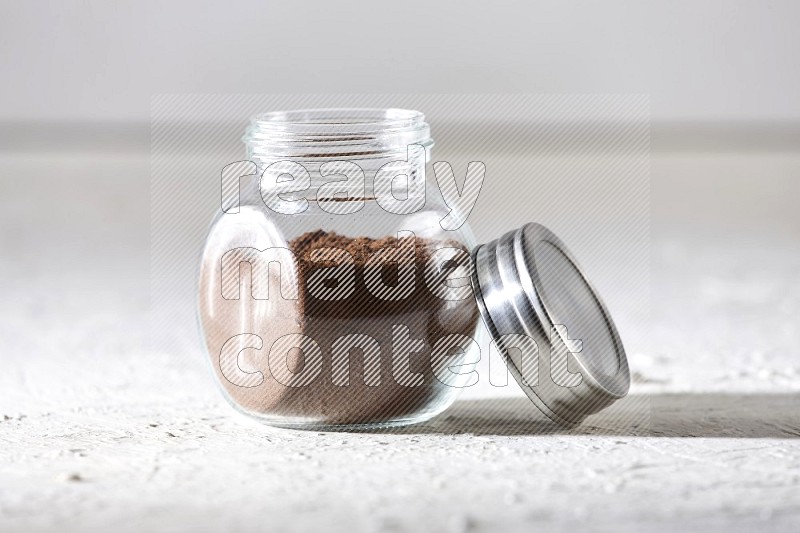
{"type": "Point", "coordinates": [570, 301]}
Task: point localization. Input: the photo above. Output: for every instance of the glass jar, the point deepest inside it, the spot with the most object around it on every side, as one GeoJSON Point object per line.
{"type": "Point", "coordinates": [330, 294]}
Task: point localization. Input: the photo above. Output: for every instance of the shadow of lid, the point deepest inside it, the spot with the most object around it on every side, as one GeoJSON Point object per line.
{"type": "Point", "coordinates": [706, 415]}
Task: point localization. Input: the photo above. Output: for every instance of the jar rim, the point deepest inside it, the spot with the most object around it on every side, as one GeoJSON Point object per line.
{"type": "Point", "coordinates": [330, 133]}
{"type": "Point", "coordinates": [321, 120]}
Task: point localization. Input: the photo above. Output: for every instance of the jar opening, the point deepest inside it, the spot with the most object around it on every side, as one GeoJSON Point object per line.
{"type": "Point", "coordinates": [336, 133]}
{"type": "Point", "coordinates": [354, 120]}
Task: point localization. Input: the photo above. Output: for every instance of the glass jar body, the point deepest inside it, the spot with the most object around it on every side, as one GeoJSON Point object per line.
{"type": "Point", "coordinates": [340, 314]}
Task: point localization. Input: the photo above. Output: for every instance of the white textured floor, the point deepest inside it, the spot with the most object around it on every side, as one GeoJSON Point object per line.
{"type": "Point", "coordinates": [99, 431]}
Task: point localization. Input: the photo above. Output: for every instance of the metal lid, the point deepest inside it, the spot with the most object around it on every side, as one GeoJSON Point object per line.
{"type": "Point", "coordinates": [546, 319]}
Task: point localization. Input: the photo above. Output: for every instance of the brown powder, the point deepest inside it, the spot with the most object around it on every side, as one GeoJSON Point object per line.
{"type": "Point", "coordinates": [362, 400]}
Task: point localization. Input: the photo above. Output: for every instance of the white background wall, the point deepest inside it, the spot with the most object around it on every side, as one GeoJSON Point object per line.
{"type": "Point", "coordinates": [700, 60]}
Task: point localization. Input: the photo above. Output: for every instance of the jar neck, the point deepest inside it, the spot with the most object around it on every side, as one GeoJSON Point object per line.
{"type": "Point", "coordinates": [319, 139]}
{"type": "Point", "coordinates": [367, 137]}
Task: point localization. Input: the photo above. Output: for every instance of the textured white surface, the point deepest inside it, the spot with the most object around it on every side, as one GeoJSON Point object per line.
{"type": "Point", "coordinates": [98, 431]}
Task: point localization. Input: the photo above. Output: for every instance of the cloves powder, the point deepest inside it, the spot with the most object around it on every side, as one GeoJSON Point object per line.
{"type": "Point", "coordinates": [366, 389]}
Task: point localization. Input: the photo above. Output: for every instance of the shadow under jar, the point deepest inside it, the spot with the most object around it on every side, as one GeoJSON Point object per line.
{"type": "Point", "coordinates": [327, 295]}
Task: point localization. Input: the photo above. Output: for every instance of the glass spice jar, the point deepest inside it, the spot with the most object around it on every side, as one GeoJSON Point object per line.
{"type": "Point", "coordinates": [332, 296]}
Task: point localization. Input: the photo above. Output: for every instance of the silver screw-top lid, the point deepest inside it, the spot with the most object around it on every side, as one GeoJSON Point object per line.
{"type": "Point", "coordinates": [544, 316]}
